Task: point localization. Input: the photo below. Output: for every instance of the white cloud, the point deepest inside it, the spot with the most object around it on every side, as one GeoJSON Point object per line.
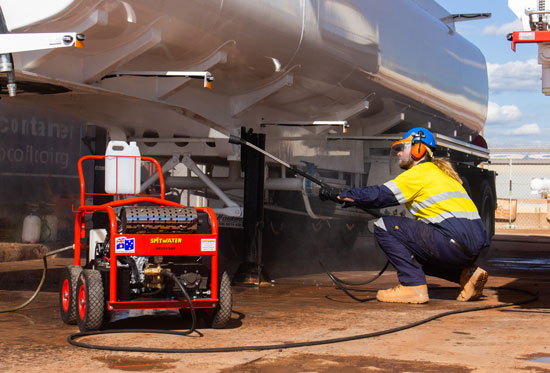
{"type": "Point", "coordinates": [504, 113]}
{"type": "Point", "coordinates": [503, 29]}
{"type": "Point", "coordinates": [514, 76]}
{"type": "Point", "coordinates": [526, 129]}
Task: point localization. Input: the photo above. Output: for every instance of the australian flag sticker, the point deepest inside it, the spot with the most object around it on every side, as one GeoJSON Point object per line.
{"type": "Point", "coordinates": [125, 245]}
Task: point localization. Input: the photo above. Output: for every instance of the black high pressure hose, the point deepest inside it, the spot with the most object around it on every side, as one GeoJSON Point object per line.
{"type": "Point", "coordinates": [172, 276]}
{"type": "Point", "coordinates": [340, 283]}
{"type": "Point", "coordinates": [72, 337]}
{"type": "Point", "coordinates": [42, 280]}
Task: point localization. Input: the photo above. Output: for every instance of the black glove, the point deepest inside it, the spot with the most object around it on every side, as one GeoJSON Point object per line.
{"type": "Point", "coordinates": [328, 193]}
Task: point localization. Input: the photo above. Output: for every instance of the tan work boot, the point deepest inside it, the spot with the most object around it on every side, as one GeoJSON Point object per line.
{"type": "Point", "coordinates": [472, 281]}
{"type": "Point", "coordinates": [404, 294]}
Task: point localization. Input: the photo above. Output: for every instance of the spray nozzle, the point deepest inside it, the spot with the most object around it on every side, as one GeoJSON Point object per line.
{"type": "Point", "coordinates": [236, 140]}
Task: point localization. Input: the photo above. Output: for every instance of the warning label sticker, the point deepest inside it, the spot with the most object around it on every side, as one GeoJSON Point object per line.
{"type": "Point", "coordinates": [208, 244]}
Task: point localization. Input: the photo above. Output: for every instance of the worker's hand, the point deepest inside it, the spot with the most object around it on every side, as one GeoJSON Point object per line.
{"type": "Point", "coordinates": [327, 193]}
{"type": "Point", "coordinates": [346, 199]}
{"type": "Point", "coordinates": [347, 202]}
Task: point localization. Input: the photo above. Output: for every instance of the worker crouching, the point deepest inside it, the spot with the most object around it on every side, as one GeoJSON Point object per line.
{"type": "Point", "coordinates": [445, 238]}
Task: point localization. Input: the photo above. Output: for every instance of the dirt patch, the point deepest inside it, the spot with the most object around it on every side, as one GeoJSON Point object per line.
{"type": "Point", "coordinates": [332, 363]}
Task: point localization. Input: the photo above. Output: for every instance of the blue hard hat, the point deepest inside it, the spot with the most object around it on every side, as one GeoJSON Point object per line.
{"type": "Point", "coordinates": [421, 134]}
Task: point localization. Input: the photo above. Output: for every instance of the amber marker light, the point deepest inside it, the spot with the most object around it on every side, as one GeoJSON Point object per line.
{"type": "Point", "coordinates": [79, 42]}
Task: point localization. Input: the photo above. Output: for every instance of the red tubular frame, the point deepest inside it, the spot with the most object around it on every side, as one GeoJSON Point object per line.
{"type": "Point", "coordinates": [191, 244]}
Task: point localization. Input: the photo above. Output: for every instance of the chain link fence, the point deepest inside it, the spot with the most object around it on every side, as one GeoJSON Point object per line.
{"type": "Point", "coordinates": [523, 189]}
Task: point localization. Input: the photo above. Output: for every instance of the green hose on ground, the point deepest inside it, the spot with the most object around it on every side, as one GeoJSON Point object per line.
{"type": "Point", "coordinates": [41, 280]}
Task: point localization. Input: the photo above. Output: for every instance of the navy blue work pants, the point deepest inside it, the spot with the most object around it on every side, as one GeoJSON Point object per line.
{"type": "Point", "coordinates": [417, 249]}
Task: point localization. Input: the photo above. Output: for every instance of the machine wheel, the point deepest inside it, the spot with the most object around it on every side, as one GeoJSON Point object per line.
{"type": "Point", "coordinates": [67, 293]}
{"type": "Point", "coordinates": [91, 301]}
{"type": "Point", "coordinates": [222, 313]}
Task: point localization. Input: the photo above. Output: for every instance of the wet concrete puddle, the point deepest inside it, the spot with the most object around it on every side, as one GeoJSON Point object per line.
{"type": "Point", "coordinates": [539, 358]}
{"type": "Point", "coordinates": [336, 364]}
{"type": "Point", "coordinates": [137, 365]}
{"type": "Point", "coordinates": [541, 264]}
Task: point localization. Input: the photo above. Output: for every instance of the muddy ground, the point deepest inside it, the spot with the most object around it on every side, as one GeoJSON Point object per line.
{"type": "Point", "coordinates": [305, 308]}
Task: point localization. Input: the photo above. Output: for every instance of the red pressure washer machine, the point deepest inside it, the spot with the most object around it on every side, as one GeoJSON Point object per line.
{"type": "Point", "coordinates": [146, 237]}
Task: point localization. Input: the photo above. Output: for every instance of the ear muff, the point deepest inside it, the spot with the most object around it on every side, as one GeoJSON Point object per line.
{"type": "Point", "coordinates": [418, 150]}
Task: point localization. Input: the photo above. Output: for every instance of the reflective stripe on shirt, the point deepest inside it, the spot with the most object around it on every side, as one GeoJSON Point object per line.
{"type": "Point", "coordinates": [396, 191]}
{"type": "Point", "coordinates": [380, 224]}
{"type": "Point", "coordinates": [470, 215]}
{"type": "Point", "coordinates": [416, 206]}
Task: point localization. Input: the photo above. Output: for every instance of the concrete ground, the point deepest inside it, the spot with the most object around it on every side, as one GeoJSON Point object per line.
{"type": "Point", "coordinates": [305, 308]}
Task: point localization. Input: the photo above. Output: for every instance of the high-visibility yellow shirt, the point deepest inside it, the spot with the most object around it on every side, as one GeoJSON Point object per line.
{"type": "Point", "coordinates": [431, 195]}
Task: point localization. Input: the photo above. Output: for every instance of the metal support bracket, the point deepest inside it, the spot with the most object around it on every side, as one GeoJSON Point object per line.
{"type": "Point", "coordinates": [96, 66]}
{"type": "Point", "coordinates": [316, 123]}
{"type": "Point", "coordinates": [353, 110]}
{"type": "Point", "coordinates": [441, 140]}
{"type": "Point", "coordinates": [170, 164]}
{"type": "Point", "coordinates": [242, 102]}
{"type": "Point", "coordinates": [232, 209]}
{"type": "Point", "coordinates": [205, 75]}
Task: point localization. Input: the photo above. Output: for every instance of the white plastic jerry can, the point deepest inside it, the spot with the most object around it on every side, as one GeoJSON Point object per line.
{"type": "Point", "coordinates": [31, 228]}
{"type": "Point", "coordinates": [122, 168]}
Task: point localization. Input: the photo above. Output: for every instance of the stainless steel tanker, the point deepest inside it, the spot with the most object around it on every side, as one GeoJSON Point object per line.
{"type": "Point", "coordinates": [326, 83]}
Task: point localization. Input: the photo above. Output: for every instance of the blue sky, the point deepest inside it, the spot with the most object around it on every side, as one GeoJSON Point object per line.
{"type": "Point", "coordinates": [517, 108]}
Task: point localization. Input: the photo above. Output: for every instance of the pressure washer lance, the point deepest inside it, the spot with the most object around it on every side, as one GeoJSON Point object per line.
{"type": "Point", "coordinates": [326, 193]}
{"type": "Point", "coordinates": [239, 141]}
{"type": "Point", "coordinates": [44, 258]}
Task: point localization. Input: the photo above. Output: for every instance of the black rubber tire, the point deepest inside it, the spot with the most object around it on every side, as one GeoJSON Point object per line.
{"type": "Point", "coordinates": [90, 301]}
{"type": "Point", "coordinates": [487, 212]}
{"type": "Point", "coordinates": [67, 293]}
{"type": "Point", "coordinates": [466, 186]}
{"type": "Point", "coordinates": [222, 313]}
